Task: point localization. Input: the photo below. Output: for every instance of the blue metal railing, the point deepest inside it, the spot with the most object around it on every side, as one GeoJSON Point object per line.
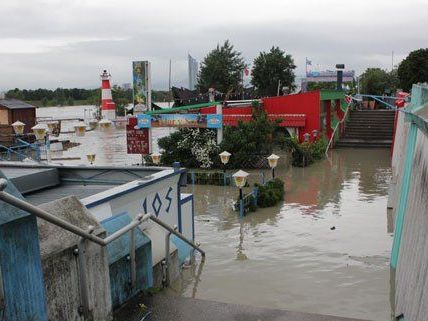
{"type": "Point", "coordinates": [20, 152]}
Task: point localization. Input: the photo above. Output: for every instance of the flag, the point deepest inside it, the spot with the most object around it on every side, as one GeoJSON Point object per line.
{"type": "Point", "coordinates": [308, 62]}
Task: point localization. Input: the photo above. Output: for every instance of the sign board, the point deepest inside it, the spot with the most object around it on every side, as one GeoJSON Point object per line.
{"type": "Point", "coordinates": [137, 140]}
{"type": "Point", "coordinates": [141, 86]}
{"type": "Point", "coordinates": [329, 76]}
{"type": "Point", "coordinates": [180, 120]}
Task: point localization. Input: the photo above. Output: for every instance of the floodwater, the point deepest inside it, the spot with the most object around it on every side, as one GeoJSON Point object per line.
{"type": "Point", "coordinates": [325, 249]}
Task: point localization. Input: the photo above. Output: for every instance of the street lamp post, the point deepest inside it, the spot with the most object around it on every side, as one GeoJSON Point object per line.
{"type": "Point", "coordinates": [41, 133]}
{"type": "Point", "coordinates": [273, 162]}
{"type": "Point", "coordinates": [224, 157]}
{"type": "Point", "coordinates": [306, 137]}
{"type": "Point", "coordinates": [240, 178]}
{"type": "Point", "coordinates": [105, 124]}
{"type": "Point", "coordinates": [315, 134]}
{"type": "Point", "coordinates": [91, 158]}
{"type": "Point", "coordinates": [18, 128]}
{"type": "Point", "coordinates": [156, 158]}
{"type": "Point", "coordinates": [52, 126]}
{"type": "Point", "coordinates": [80, 129]}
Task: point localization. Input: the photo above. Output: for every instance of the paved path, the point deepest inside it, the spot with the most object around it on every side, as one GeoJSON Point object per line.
{"type": "Point", "coordinates": [162, 307]}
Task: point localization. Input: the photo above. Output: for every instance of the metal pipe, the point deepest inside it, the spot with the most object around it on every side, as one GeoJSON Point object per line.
{"type": "Point", "coordinates": [84, 295]}
{"type": "Point", "coordinates": [138, 220]}
{"type": "Point", "coordinates": [167, 258]}
{"type": "Point", "coordinates": [178, 234]}
{"type": "Point", "coordinates": [133, 260]}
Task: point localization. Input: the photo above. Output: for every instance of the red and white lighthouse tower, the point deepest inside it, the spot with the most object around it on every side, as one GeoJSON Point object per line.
{"type": "Point", "coordinates": [108, 107]}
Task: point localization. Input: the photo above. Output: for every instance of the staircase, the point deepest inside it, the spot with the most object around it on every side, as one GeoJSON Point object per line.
{"type": "Point", "coordinates": [368, 128]}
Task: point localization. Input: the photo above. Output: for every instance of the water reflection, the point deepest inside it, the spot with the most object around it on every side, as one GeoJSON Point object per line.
{"type": "Point", "coordinates": [289, 256]}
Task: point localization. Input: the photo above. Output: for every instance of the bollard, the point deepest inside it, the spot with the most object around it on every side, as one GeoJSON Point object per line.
{"type": "Point", "coordinates": [176, 166]}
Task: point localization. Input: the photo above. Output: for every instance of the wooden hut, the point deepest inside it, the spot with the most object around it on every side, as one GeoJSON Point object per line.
{"type": "Point", "coordinates": [12, 110]}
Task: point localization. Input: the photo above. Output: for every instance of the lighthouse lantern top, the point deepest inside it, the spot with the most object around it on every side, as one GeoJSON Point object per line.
{"type": "Point", "coordinates": [105, 75]}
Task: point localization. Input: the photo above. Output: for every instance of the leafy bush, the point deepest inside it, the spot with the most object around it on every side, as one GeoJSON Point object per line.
{"type": "Point", "coordinates": [248, 141]}
{"type": "Point", "coordinates": [304, 154]}
{"type": "Point", "coordinates": [271, 193]}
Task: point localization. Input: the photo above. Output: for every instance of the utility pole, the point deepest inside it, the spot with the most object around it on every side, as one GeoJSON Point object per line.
{"type": "Point", "coordinates": [169, 84]}
{"type": "Point", "coordinates": [392, 61]}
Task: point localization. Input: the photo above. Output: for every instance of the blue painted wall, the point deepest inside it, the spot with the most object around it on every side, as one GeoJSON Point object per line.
{"type": "Point", "coordinates": [20, 264]}
{"type": "Point", "coordinates": [119, 263]}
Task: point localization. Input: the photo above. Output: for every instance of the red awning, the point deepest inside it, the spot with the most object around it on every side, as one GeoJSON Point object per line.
{"type": "Point", "coordinates": [288, 120]}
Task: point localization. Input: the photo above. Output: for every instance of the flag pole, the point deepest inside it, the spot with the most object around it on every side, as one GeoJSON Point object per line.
{"type": "Point", "coordinates": [306, 66]}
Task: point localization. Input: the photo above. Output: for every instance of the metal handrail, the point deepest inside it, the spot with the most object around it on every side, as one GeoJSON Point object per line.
{"type": "Point", "coordinates": [28, 207]}
{"type": "Point", "coordinates": [335, 128]}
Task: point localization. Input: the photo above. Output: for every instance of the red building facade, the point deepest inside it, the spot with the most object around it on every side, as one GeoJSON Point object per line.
{"type": "Point", "coordinates": [317, 110]}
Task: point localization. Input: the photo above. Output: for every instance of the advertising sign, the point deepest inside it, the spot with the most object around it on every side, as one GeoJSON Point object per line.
{"type": "Point", "coordinates": [141, 86]}
{"type": "Point", "coordinates": [137, 140]}
{"type": "Point", "coordinates": [329, 76]}
{"type": "Point", "coordinates": [180, 120]}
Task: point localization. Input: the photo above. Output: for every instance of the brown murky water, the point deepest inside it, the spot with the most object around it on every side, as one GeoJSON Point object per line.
{"type": "Point", "coordinates": [325, 249]}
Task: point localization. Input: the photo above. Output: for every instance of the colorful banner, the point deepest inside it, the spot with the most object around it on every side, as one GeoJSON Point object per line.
{"type": "Point", "coordinates": [180, 120]}
{"type": "Point", "coordinates": [141, 86]}
{"type": "Point", "coordinates": [137, 140]}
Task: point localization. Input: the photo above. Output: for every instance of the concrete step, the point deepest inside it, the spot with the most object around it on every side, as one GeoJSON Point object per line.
{"type": "Point", "coordinates": [363, 123]}
{"type": "Point", "coordinates": [368, 137]}
{"type": "Point", "coordinates": [369, 127]}
{"type": "Point", "coordinates": [369, 132]}
{"type": "Point", "coordinates": [354, 142]}
{"type": "Point", "coordinates": [373, 112]}
{"type": "Point", "coordinates": [381, 120]}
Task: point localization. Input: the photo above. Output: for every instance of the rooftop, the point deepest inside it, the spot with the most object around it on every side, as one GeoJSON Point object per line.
{"type": "Point", "coordinates": [15, 104]}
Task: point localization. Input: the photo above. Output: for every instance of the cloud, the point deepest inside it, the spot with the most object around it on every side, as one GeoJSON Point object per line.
{"type": "Point", "coordinates": [67, 43]}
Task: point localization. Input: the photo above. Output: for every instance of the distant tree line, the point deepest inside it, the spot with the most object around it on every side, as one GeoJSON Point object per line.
{"type": "Point", "coordinates": [77, 96]}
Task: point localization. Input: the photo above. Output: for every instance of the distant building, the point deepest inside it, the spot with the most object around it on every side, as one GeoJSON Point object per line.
{"type": "Point", "coordinates": [126, 86]}
{"type": "Point", "coordinates": [193, 72]}
{"type": "Point", "coordinates": [12, 110]}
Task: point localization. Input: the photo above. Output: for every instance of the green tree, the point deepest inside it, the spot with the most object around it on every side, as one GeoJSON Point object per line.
{"type": "Point", "coordinates": [374, 81]}
{"type": "Point", "coordinates": [270, 68]}
{"type": "Point", "coordinates": [413, 69]}
{"type": "Point", "coordinates": [221, 69]}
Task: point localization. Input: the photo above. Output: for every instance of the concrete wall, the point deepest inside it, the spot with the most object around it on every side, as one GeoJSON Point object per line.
{"type": "Point", "coordinates": [412, 270]}
{"type": "Point", "coordinates": [61, 265]}
{"type": "Point", "coordinates": [20, 265]}
{"type": "Point", "coordinates": [410, 273]}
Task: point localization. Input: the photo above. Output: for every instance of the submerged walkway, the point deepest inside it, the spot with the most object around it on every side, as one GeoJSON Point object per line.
{"type": "Point", "coordinates": [163, 307]}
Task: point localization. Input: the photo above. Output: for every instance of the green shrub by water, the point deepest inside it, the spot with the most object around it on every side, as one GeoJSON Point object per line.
{"type": "Point", "coordinates": [271, 193]}
{"type": "Point", "coordinates": [304, 154]}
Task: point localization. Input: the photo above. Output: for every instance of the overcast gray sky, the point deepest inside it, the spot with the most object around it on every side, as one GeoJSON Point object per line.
{"type": "Point", "coordinates": [49, 43]}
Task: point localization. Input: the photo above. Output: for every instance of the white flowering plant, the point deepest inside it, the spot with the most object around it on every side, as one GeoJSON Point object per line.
{"type": "Point", "coordinates": [192, 147]}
